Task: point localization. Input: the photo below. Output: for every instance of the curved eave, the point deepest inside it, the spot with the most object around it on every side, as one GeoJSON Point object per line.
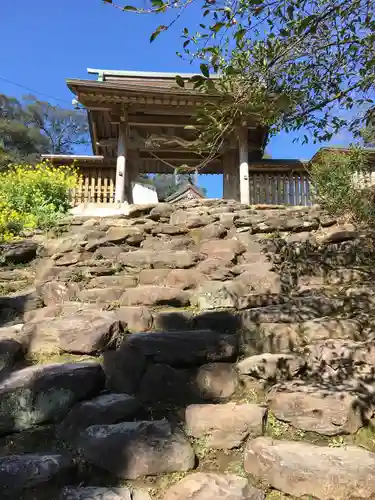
{"type": "Point", "coordinates": [81, 87]}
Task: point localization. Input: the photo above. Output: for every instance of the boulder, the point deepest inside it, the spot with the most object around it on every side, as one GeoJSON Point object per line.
{"type": "Point", "coordinates": [183, 348]}
{"type": "Point", "coordinates": [222, 249]}
{"type": "Point", "coordinates": [161, 211]}
{"type": "Point", "coordinates": [18, 252]}
{"type": "Point", "coordinates": [57, 292]}
{"type": "Point", "coordinates": [225, 426]}
{"type": "Point", "coordinates": [212, 232]}
{"type": "Point", "coordinates": [120, 280]}
{"type": "Point", "coordinates": [218, 295]}
{"type": "Point", "coordinates": [184, 279]}
{"type": "Point", "coordinates": [131, 450]}
{"type": "Point", "coordinates": [270, 366]}
{"type": "Point", "coordinates": [173, 320]}
{"type": "Point", "coordinates": [338, 234]}
{"type": "Point", "coordinates": [153, 276]}
{"type": "Point", "coordinates": [85, 331]}
{"type": "Point", "coordinates": [135, 211]}
{"type": "Point", "coordinates": [124, 368]}
{"type": "Point", "coordinates": [123, 234]}
{"type": "Point", "coordinates": [102, 493]}
{"type": "Point", "coordinates": [144, 259]}
{"type": "Point", "coordinates": [211, 485]}
{"type": "Point", "coordinates": [163, 383]}
{"type": "Point", "coordinates": [154, 296]}
{"type": "Point", "coordinates": [329, 410]}
{"type": "Point", "coordinates": [194, 222]}
{"type": "Point", "coordinates": [45, 393]}
{"type": "Point", "coordinates": [135, 319]}
{"type": "Point", "coordinates": [19, 472]}
{"type": "Point", "coordinates": [215, 381]}
{"type": "Point", "coordinates": [169, 229]}
{"type": "Point", "coordinates": [306, 470]}
{"type": "Point", "coordinates": [11, 350]}
{"type": "Point", "coordinates": [108, 295]}
{"type": "Point", "coordinates": [104, 409]}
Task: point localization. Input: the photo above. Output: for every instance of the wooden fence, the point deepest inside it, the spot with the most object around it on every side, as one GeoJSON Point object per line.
{"type": "Point", "coordinates": [97, 186]}
{"type": "Point", "coordinates": [280, 188]}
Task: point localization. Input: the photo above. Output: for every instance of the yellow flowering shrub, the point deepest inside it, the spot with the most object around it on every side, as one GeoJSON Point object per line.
{"type": "Point", "coordinates": [34, 197]}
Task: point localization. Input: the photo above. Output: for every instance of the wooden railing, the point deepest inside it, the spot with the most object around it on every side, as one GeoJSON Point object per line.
{"type": "Point", "coordinates": [97, 185]}
{"type": "Point", "coordinates": [280, 188]}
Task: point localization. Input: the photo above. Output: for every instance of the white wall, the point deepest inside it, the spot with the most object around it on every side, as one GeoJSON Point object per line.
{"type": "Point", "coordinates": [143, 193]}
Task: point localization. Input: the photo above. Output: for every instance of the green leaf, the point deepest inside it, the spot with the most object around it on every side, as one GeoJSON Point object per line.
{"type": "Point", "coordinates": [205, 70]}
{"type": "Point", "coordinates": [290, 11]}
{"type": "Point", "coordinates": [186, 43]}
{"type": "Point", "coordinates": [157, 32]}
{"type": "Point", "coordinates": [240, 34]}
{"type": "Point", "coordinates": [180, 81]}
{"type": "Point", "coordinates": [206, 12]}
{"type": "Point", "coordinates": [130, 8]}
{"type": "Point", "coordinates": [217, 27]}
{"type": "Point", "coordinates": [157, 3]}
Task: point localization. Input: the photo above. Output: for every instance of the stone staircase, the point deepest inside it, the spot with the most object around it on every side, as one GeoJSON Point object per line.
{"type": "Point", "coordinates": [201, 351]}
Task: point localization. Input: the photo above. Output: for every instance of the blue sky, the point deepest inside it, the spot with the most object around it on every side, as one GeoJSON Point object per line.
{"type": "Point", "coordinates": [49, 41]}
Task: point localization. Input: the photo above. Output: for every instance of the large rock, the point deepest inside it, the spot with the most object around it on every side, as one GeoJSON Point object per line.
{"type": "Point", "coordinates": [184, 279]}
{"type": "Point", "coordinates": [135, 449]}
{"type": "Point", "coordinates": [104, 409]}
{"type": "Point", "coordinates": [162, 211]}
{"type": "Point", "coordinates": [169, 229]}
{"type": "Point", "coordinates": [183, 348]}
{"type": "Point", "coordinates": [108, 295]}
{"type": "Point", "coordinates": [11, 349]}
{"type": "Point", "coordinates": [18, 472]}
{"type": "Point", "coordinates": [306, 470]}
{"type": "Point", "coordinates": [45, 393]}
{"type": "Point", "coordinates": [144, 259]}
{"type": "Point", "coordinates": [168, 385]}
{"type": "Point", "coordinates": [225, 426]}
{"type": "Point", "coordinates": [222, 249]}
{"type": "Point", "coordinates": [135, 319]}
{"type": "Point", "coordinates": [18, 252]}
{"type": "Point", "coordinates": [120, 280]}
{"type": "Point", "coordinates": [86, 331]}
{"type": "Point", "coordinates": [153, 276]}
{"type": "Point", "coordinates": [102, 493]}
{"type": "Point", "coordinates": [327, 410]}
{"type": "Point", "coordinates": [124, 368]}
{"type": "Point", "coordinates": [154, 296]}
{"type": "Point", "coordinates": [338, 234]}
{"type": "Point", "coordinates": [215, 381]}
{"type": "Point", "coordinates": [56, 292]}
{"type": "Point", "coordinates": [210, 485]}
{"type": "Point", "coordinates": [270, 366]}
{"type": "Point", "coordinates": [217, 295]}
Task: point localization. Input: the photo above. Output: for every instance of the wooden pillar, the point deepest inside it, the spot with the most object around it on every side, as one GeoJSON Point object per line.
{"type": "Point", "coordinates": [121, 180]}
{"type": "Point", "coordinates": [227, 162]}
{"type": "Point", "coordinates": [244, 166]}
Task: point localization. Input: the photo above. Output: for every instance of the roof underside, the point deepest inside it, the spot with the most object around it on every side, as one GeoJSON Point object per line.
{"type": "Point", "coordinates": [153, 106]}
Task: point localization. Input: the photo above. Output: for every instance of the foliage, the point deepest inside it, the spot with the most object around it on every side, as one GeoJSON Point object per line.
{"type": "Point", "coordinates": [33, 197]}
{"type": "Point", "coordinates": [32, 127]}
{"type": "Point", "coordinates": [297, 64]}
{"type": "Point", "coordinates": [341, 184]}
{"type": "Point", "coordinates": [368, 135]}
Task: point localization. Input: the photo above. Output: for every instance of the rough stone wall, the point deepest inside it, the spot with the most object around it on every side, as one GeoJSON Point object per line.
{"type": "Point", "coordinates": [205, 350]}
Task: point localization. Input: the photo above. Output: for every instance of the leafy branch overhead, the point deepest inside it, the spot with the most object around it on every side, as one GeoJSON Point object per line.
{"type": "Point", "coordinates": [298, 64]}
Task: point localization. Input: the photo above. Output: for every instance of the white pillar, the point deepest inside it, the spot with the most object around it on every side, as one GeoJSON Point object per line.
{"type": "Point", "coordinates": [120, 192]}
{"type": "Point", "coordinates": [244, 166]}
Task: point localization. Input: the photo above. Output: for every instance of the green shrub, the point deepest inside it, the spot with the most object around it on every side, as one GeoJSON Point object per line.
{"type": "Point", "coordinates": [33, 197]}
{"type": "Point", "coordinates": [340, 182]}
